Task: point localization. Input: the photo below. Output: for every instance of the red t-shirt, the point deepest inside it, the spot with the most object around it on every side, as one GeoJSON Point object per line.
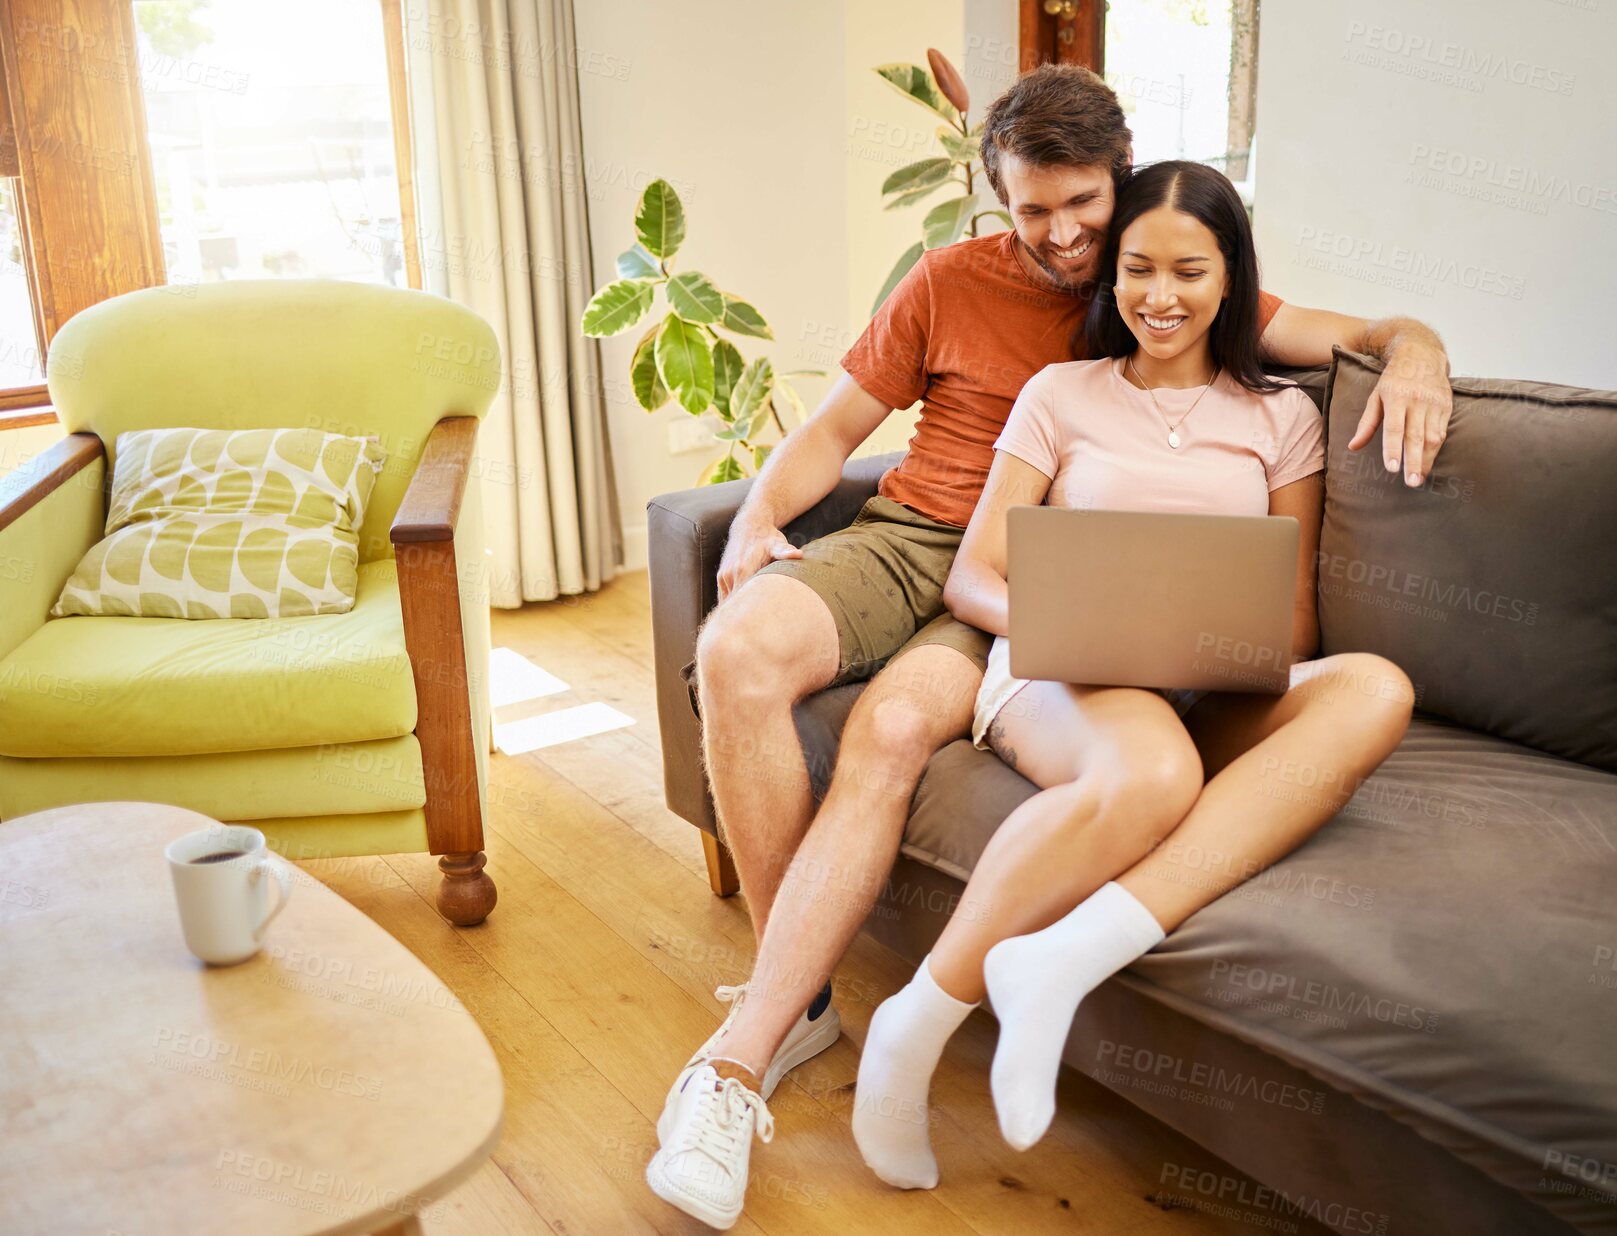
{"type": "Point", "coordinates": [963, 332]}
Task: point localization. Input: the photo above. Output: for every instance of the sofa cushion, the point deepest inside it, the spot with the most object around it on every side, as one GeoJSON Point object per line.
{"type": "Point", "coordinates": [1491, 585]}
{"type": "Point", "coordinates": [154, 686]}
{"type": "Point", "coordinates": [1362, 958]}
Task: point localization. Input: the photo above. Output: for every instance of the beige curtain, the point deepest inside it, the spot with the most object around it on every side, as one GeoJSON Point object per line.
{"type": "Point", "coordinates": [501, 213]}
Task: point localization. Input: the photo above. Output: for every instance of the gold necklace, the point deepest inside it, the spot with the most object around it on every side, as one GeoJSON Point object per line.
{"type": "Point", "coordinates": [1173, 429]}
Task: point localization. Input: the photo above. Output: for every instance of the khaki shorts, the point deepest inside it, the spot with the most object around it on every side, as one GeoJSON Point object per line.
{"type": "Point", "coordinates": [882, 579]}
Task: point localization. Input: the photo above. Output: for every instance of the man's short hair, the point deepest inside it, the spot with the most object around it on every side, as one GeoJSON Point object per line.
{"type": "Point", "coordinates": [1057, 115]}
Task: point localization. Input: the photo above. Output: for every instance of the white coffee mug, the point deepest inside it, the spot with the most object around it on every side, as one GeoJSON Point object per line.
{"type": "Point", "coordinates": [221, 886]}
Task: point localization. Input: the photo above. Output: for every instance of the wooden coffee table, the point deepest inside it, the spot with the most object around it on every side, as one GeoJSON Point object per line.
{"type": "Point", "coordinates": [330, 1084]}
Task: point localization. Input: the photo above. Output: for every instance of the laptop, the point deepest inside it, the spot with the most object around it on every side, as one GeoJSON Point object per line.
{"type": "Point", "coordinates": [1143, 599]}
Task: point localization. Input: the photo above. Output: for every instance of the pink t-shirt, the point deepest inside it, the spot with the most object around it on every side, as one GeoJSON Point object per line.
{"type": "Point", "coordinates": [1104, 445]}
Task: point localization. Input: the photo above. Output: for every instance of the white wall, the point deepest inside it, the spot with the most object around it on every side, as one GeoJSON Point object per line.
{"type": "Point", "coordinates": [1453, 161]}
{"type": "Point", "coordinates": [765, 117]}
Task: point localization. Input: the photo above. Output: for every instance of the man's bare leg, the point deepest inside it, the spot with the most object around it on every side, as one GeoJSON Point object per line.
{"type": "Point", "coordinates": [918, 703]}
{"type": "Point", "coordinates": [767, 645]}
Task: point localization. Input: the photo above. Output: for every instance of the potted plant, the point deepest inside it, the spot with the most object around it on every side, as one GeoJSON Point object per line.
{"type": "Point", "coordinates": [685, 357]}
{"type": "Point", "coordinates": [944, 93]}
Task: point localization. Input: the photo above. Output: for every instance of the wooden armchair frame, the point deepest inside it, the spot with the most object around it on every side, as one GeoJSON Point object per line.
{"type": "Point", "coordinates": [423, 536]}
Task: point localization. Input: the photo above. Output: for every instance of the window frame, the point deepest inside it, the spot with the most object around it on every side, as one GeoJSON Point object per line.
{"type": "Point", "coordinates": [90, 233]}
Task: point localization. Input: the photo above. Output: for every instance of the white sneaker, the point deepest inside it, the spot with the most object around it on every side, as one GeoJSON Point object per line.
{"type": "Point", "coordinates": [702, 1165]}
{"type": "Point", "coordinates": [818, 1028]}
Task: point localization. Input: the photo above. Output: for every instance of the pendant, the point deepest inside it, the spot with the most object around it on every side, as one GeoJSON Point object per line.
{"type": "Point", "coordinates": [1173, 437]}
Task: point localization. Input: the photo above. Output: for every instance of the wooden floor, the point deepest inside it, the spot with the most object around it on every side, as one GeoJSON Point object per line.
{"type": "Point", "coordinates": [594, 981]}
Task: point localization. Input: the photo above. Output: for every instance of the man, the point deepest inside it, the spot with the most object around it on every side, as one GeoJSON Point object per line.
{"type": "Point", "coordinates": [963, 331]}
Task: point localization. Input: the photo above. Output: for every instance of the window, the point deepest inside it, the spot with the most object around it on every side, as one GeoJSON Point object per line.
{"type": "Point", "coordinates": [1186, 74]}
{"type": "Point", "coordinates": [144, 141]}
{"type": "Point", "coordinates": [271, 138]}
{"type": "Point", "coordinates": [20, 357]}
{"type": "Point", "coordinates": [1185, 71]}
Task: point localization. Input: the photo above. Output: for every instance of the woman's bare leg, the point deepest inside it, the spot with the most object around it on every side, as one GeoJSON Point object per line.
{"type": "Point", "coordinates": [1279, 768]}
{"type": "Point", "coordinates": [1118, 769]}
{"type": "Point", "coordinates": [1117, 772]}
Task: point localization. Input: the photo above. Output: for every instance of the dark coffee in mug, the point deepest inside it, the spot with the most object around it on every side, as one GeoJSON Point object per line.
{"type": "Point", "coordinates": [224, 856]}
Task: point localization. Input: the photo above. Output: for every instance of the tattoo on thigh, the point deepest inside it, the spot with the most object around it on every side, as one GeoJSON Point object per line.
{"type": "Point", "coordinates": [1001, 744]}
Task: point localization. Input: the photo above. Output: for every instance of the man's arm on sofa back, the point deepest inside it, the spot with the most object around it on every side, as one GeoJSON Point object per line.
{"type": "Point", "coordinates": [686, 532]}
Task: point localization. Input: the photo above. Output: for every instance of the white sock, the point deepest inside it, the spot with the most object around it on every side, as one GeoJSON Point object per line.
{"type": "Point", "coordinates": [906, 1039]}
{"type": "Point", "coordinates": [1035, 983]}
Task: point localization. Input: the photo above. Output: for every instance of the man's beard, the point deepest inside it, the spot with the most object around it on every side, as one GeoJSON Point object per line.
{"type": "Point", "coordinates": [1076, 285]}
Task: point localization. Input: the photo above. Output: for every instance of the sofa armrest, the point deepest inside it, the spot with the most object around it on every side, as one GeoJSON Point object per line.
{"type": "Point", "coordinates": [686, 533]}
{"type": "Point", "coordinates": [430, 596]}
{"type": "Point", "coordinates": [52, 510]}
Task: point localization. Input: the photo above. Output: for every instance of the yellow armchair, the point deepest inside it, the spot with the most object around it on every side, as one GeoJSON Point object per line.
{"type": "Point", "coordinates": [343, 734]}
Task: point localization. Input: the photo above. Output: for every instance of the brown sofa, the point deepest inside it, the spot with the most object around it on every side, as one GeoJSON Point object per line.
{"type": "Point", "coordinates": [1410, 1024]}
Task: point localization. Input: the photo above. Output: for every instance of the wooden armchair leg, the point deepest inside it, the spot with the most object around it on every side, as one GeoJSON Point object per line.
{"type": "Point", "coordinates": [467, 893]}
{"type": "Point", "coordinates": [423, 536]}
{"type": "Point", "coordinates": [721, 868]}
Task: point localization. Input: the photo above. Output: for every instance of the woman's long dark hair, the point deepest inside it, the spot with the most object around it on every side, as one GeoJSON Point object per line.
{"type": "Point", "coordinates": [1205, 194]}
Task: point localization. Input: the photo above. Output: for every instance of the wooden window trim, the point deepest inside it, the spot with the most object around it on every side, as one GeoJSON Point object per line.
{"type": "Point", "coordinates": [25, 416]}
{"type": "Point", "coordinates": [398, 91]}
{"type": "Point", "coordinates": [1073, 33]}
{"type": "Point", "coordinates": [92, 233]}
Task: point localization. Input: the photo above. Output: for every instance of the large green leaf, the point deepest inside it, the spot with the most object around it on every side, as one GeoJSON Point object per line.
{"type": "Point", "coordinates": [724, 468]}
{"type": "Point", "coordinates": [760, 454]}
{"type": "Point", "coordinates": [635, 263]}
{"type": "Point", "coordinates": [926, 174]}
{"type": "Point", "coordinates": [659, 221]}
{"type": "Point", "coordinates": [901, 268]}
{"type": "Point", "coordinates": [649, 390]}
{"type": "Point", "coordinates": [742, 318]}
{"type": "Point", "coordinates": [961, 149]}
{"type": "Point", "coordinates": [947, 220]}
{"type": "Point", "coordinates": [616, 307]}
{"type": "Point", "coordinates": [914, 82]}
{"type": "Point", "coordinates": [693, 296]}
{"type": "Point", "coordinates": [910, 198]}
{"type": "Point", "coordinates": [685, 363]}
{"type": "Point", "coordinates": [727, 366]}
{"type": "Point", "coordinates": [751, 391]}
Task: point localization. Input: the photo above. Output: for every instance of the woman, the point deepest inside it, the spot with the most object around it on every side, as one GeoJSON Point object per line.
{"type": "Point", "coordinates": [1177, 415]}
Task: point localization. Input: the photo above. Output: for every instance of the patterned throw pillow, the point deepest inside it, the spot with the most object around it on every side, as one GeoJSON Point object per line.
{"type": "Point", "coordinates": [215, 523]}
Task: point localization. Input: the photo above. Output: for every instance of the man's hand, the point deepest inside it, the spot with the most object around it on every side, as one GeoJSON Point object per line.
{"type": "Point", "coordinates": [1413, 397]}
{"type": "Point", "coordinates": [752, 544]}
{"type": "Point", "coordinates": [1413, 402]}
